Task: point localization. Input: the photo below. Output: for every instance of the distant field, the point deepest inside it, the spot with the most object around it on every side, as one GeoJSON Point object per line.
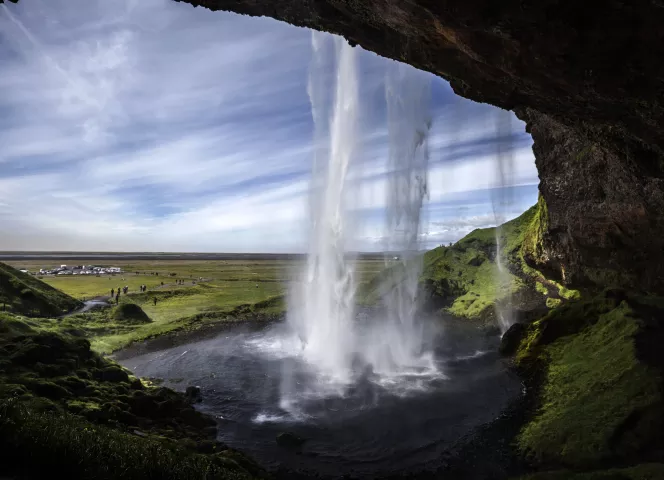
{"type": "Point", "coordinates": [225, 285]}
{"type": "Point", "coordinates": [248, 271]}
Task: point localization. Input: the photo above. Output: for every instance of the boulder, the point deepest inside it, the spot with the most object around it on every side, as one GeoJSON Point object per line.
{"type": "Point", "coordinates": [511, 339]}
{"type": "Point", "coordinates": [193, 394]}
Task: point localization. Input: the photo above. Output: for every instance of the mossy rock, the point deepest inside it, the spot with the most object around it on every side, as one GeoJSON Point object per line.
{"type": "Point", "coordinates": [50, 390]}
{"type": "Point", "coordinates": [599, 400]}
{"type": "Point", "coordinates": [129, 313]}
{"type": "Point", "coordinates": [509, 343]}
{"type": "Point", "coordinates": [112, 373]}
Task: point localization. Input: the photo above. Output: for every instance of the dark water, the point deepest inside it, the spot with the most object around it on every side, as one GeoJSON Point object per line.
{"type": "Point", "coordinates": [377, 426]}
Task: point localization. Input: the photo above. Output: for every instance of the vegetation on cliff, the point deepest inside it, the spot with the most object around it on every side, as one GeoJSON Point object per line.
{"type": "Point", "coordinates": [462, 278]}
{"type": "Point", "coordinates": [62, 406]}
{"type": "Point", "coordinates": [22, 293]}
{"type": "Point", "coordinates": [599, 384]}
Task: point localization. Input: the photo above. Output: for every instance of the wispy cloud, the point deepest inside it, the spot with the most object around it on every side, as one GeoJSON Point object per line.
{"type": "Point", "coordinates": [150, 125]}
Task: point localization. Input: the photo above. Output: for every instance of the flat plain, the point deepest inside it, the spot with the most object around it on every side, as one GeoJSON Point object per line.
{"type": "Point", "coordinates": [189, 294]}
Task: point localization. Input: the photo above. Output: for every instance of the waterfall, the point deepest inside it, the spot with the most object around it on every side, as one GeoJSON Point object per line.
{"type": "Point", "coordinates": [502, 200]}
{"type": "Point", "coordinates": [408, 97]}
{"type": "Point", "coordinates": [323, 312]}
{"type": "Point", "coordinates": [338, 349]}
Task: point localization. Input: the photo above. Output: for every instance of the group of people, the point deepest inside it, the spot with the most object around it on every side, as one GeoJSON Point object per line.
{"type": "Point", "coordinates": [116, 293]}
{"type": "Point", "coordinates": [125, 289]}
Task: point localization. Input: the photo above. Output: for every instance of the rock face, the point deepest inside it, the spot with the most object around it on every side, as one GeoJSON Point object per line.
{"type": "Point", "coordinates": [289, 440]}
{"type": "Point", "coordinates": [511, 339]}
{"type": "Point", "coordinates": [193, 394]}
{"type": "Point", "coordinates": [587, 78]}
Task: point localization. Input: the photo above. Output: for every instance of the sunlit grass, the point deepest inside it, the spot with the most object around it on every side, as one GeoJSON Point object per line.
{"type": "Point", "coordinates": [210, 292]}
{"type": "Point", "coordinates": [89, 286]}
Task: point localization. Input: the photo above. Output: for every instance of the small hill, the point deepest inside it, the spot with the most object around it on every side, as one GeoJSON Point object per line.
{"type": "Point", "coordinates": [129, 313]}
{"type": "Point", "coordinates": [24, 294]}
{"type": "Point", "coordinates": [462, 279]}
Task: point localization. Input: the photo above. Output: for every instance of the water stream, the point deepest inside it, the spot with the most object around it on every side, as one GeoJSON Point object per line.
{"type": "Point", "coordinates": [502, 202]}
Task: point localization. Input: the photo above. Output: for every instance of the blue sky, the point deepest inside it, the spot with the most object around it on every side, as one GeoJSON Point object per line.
{"type": "Point", "coordinates": [149, 125]}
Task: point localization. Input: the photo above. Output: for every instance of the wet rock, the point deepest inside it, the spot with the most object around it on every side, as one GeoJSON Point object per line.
{"type": "Point", "coordinates": [136, 384]}
{"type": "Point", "coordinates": [193, 394]}
{"type": "Point", "coordinates": [113, 374]}
{"type": "Point", "coordinates": [511, 339]}
{"type": "Point", "coordinates": [289, 440]}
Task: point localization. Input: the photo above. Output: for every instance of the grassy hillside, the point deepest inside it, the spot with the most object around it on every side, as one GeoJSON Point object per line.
{"type": "Point", "coordinates": [136, 318]}
{"type": "Point", "coordinates": [22, 293]}
{"type": "Point", "coordinates": [463, 279]}
{"type": "Point", "coordinates": [64, 408]}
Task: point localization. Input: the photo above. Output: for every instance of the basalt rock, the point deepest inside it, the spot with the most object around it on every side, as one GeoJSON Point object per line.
{"type": "Point", "coordinates": [511, 339]}
{"type": "Point", "coordinates": [586, 77]}
{"type": "Point", "coordinates": [193, 394]}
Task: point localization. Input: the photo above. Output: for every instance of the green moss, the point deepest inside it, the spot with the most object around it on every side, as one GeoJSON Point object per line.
{"type": "Point", "coordinates": [541, 288]}
{"type": "Point", "coordinates": [553, 302]}
{"type": "Point", "coordinates": [532, 245]}
{"type": "Point", "coordinates": [595, 389]}
{"type": "Point", "coordinates": [61, 370]}
{"type": "Point", "coordinates": [568, 294]}
{"type": "Point", "coordinates": [40, 443]}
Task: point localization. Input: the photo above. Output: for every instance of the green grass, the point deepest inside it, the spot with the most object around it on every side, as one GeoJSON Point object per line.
{"type": "Point", "coordinates": [90, 286]}
{"type": "Point", "coordinates": [598, 401]}
{"type": "Point", "coordinates": [22, 293]}
{"type": "Point", "coordinates": [257, 271]}
{"type": "Point", "coordinates": [228, 290]}
{"type": "Point", "coordinates": [64, 408]}
{"type": "Point", "coordinates": [189, 308]}
{"type": "Point", "coordinates": [39, 443]}
{"type": "Point", "coordinates": [464, 275]}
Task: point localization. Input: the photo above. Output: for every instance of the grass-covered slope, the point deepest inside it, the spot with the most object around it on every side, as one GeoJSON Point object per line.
{"type": "Point", "coordinates": [24, 294]}
{"type": "Point", "coordinates": [463, 278]}
{"type": "Point", "coordinates": [64, 408]}
{"type": "Point", "coordinates": [113, 328]}
{"type": "Point", "coordinates": [599, 367]}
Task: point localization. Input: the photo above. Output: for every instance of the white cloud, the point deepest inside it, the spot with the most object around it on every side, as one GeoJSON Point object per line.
{"type": "Point", "coordinates": [151, 125]}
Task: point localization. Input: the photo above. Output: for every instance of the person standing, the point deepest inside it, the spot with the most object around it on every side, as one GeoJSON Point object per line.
{"type": "Point", "coordinates": [112, 293]}
{"type": "Point", "coordinates": [155, 301]}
